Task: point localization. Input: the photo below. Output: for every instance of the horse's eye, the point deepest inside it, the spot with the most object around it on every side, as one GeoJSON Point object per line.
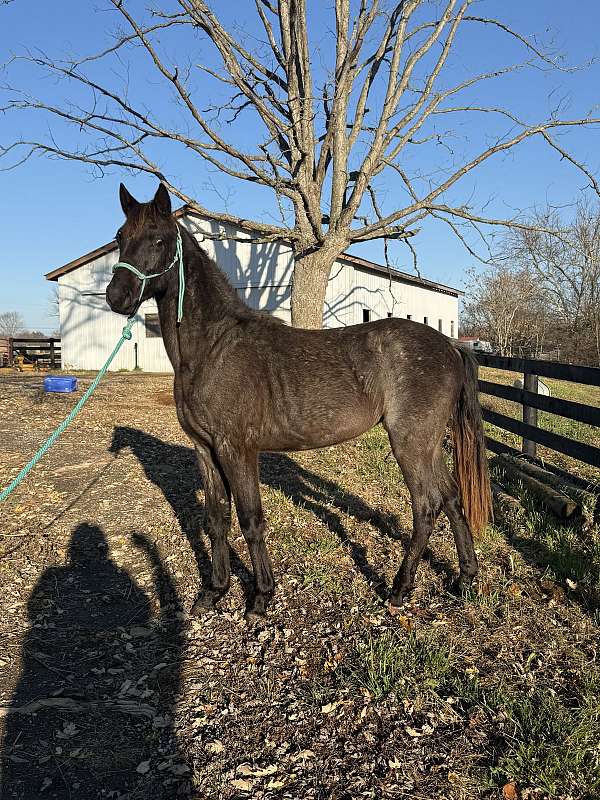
{"type": "Point", "coordinates": [159, 241]}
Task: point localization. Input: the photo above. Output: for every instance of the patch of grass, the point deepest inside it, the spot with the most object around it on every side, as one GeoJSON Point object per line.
{"type": "Point", "coordinates": [552, 744]}
{"type": "Point", "coordinates": [403, 664]}
{"type": "Point", "coordinates": [375, 461]}
{"type": "Point", "coordinates": [322, 544]}
{"type": "Point", "coordinates": [544, 741]}
{"type": "Point", "coordinates": [568, 550]}
{"type": "Point", "coordinates": [485, 595]}
{"type": "Point", "coordinates": [488, 542]}
{"type": "Point", "coordinates": [318, 576]}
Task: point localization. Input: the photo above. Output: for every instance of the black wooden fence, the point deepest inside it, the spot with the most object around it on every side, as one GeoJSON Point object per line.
{"type": "Point", "coordinates": [531, 402]}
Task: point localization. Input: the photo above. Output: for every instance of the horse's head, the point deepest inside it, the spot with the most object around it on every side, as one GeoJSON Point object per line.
{"type": "Point", "coordinates": [147, 246]}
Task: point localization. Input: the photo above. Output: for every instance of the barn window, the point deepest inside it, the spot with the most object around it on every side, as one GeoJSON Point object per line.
{"type": "Point", "coordinates": [452, 328]}
{"type": "Point", "coordinates": [425, 320]}
{"type": "Point", "coordinates": [440, 327]}
{"type": "Point", "coordinates": [409, 316]}
{"type": "Point", "coordinates": [366, 314]}
{"type": "Point", "coordinates": [152, 325]}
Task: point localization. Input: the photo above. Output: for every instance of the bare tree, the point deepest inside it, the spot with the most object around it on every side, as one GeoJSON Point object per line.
{"type": "Point", "coordinates": [335, 120]}
{"type": "Point", "coordinates": [508, 307]}
{"type": "Point", "coordinates": [11, 323]}
{"type": "Point", "coordinates": [566, 266]}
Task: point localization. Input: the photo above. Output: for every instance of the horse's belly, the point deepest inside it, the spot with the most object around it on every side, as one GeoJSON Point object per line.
{"type": "Point", "coordinates": [322, 428]}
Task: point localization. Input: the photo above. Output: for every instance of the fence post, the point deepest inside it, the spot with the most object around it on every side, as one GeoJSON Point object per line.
{"type": "Point", "coordinates": [11, 352]}
{"type": "Point", "coordinates": [530, 415]}
{"type": "Point", "coordinates": [52, 355]}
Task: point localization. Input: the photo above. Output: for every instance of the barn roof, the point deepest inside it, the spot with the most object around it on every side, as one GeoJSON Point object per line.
{"type": "Point", "coordinates": [347, 258]}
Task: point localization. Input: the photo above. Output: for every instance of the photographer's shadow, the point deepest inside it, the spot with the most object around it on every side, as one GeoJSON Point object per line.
{"type": "Point", "coordinates": [92, 712]}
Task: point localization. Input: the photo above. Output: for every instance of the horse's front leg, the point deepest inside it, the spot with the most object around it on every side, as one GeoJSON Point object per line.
{"type": "Point", "coordinates": [242, 473]}
{"type": "Point", "coordinates": [217, 523]}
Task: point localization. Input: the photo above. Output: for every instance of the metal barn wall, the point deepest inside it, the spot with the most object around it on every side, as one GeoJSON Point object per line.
{"type": "Point", "coordinates": [260, 273]}
{"type": "Point", "coordinates": [352, 290]}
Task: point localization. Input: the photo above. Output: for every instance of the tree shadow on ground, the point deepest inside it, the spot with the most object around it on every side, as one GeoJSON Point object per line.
{"type": "Point", "coordinates": [92, 713]}
{"type": "Point", "coordinates": [174, 470]}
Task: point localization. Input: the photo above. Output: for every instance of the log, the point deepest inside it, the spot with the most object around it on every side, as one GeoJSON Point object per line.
{"type": "Point", "coordinates": [583, 498]}
{"type": "Point", "coordinates": [506, 504]}
{"type": "Point", "coordinates": [560, 504]}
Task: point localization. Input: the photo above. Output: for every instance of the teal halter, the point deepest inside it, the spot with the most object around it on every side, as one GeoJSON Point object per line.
{"type": "Point", "coordinates": [178, 257]}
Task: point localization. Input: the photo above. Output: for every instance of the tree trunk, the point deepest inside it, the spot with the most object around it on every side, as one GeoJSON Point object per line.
{"type": "Point", "coordinates": [309, 286]}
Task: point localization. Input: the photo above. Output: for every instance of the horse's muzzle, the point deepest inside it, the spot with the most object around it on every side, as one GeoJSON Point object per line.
{"type": "Point", "coordinates": [121, 298]}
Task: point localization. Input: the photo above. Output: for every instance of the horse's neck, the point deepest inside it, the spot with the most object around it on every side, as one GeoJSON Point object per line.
{"type": "Point", "coordinates": [210, 305]}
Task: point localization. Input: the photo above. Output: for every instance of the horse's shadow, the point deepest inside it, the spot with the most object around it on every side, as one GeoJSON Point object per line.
{"type": "Point", "coordinates": [174, 470]}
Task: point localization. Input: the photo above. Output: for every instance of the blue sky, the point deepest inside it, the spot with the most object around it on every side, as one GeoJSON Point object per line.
{"type": "Point", "coordinates": [53, 211]}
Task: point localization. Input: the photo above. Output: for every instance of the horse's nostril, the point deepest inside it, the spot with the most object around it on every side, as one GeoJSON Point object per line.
{"type": "Point", "coordinates": [119, 298]}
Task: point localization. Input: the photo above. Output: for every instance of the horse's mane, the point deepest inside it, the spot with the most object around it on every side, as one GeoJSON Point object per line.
{"type": "Point", "coordinates": [216, 283]}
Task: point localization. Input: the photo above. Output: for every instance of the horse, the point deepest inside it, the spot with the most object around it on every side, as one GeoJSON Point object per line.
{"type": "Point", "coordinates": [246, 382]}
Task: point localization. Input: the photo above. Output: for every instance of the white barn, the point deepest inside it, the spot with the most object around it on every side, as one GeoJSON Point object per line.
{"type": "Point", "coordinates": [358, 291]}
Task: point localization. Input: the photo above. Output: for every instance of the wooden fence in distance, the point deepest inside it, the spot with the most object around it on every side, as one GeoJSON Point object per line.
{"type": "Point", "coordinates": [531, 402]}
{"type": "Point", "coordinates": [44, 352]}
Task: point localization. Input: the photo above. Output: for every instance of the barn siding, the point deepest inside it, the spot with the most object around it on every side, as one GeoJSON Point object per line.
{"type": "Point", "coordinates": [261, 273]}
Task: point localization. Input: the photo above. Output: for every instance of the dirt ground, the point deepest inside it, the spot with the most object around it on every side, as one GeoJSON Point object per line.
{"type": "Point", "coordinates": [109, 689]}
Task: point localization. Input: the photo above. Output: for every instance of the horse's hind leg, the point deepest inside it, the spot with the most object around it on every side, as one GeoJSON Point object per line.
{"type": "Point", "coordinates": [217, 522]}
{"type": "Point", "coordinates": [417, 466]}
{"type": "Point", "coordinates": [242, 473]}
{"type": "Point", "coordinates": [463, 538]}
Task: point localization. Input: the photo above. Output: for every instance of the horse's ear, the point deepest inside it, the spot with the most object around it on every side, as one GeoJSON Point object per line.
{"type": "Point", "coordinates": [128, 201]}
{"type": "Point", "coordinates": [162, 201]}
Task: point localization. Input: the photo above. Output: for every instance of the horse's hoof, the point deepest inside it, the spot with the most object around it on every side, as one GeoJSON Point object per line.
{"type": "Point", "coordinates": [399, 597]}
{"type": "Point", "coordinates": [254, 618]}
{"type": "Point", "coordinates": [204, 602]}
{"type": "Point", "coordinates": [462, 585]}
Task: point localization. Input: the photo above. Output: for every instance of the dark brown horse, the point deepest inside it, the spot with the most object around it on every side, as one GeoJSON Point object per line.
{"type": "Point", "coordinates": [246, 383]}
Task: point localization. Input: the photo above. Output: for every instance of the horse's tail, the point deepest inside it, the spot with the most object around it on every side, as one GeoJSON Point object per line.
{"type": "Point", "coordinates": [470, 460]}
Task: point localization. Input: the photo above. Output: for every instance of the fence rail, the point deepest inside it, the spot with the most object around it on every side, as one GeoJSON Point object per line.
{"type": "Point", "coordinates": [545, 369]}
{"type": "Point", "coordinates": [531, 402]}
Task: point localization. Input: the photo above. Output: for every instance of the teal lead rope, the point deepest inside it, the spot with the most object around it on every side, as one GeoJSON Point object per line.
{"type": "Point", "coordinates": [125, 335]}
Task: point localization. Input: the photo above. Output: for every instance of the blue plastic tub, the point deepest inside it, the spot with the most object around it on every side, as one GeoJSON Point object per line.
{"type": "Point", "coordinates": [58, 383]}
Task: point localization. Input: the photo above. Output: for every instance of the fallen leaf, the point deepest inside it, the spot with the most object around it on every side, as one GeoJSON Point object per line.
{"type": "Point", "coordinates": [143, 767]}
{"type": "Point", "coordinates": [262, 773]}
{"type": "Point", "coordinates": [329, 707]}
{"type": "Point", "coordinates": [303, 755]}
{"type": "Point", "coordinates": [215, 747]}
{"type": "Point", "coordinates": [244, 786]}
{"type": "Point", "coordinates": [509, 791]}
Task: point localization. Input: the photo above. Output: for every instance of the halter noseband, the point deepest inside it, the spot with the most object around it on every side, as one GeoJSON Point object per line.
{"type": "Point", "coordinates": [178, 257]}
